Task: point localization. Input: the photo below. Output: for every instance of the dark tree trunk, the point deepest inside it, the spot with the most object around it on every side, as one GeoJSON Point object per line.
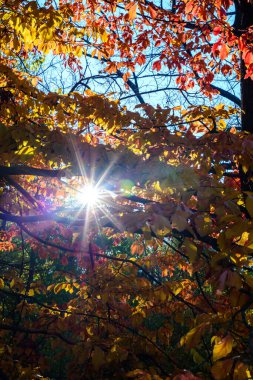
{"type": "Point", "coordinates": [243, 20]}
{"type": "Point", "coordinates": [247, 101]}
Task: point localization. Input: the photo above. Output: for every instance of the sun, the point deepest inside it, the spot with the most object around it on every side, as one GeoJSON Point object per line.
{"type": "Point", "coordinates": [89, 195]}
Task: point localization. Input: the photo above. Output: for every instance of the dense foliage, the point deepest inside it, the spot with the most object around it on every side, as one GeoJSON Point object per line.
{"type": "Point", "coordinates": [152, 103]}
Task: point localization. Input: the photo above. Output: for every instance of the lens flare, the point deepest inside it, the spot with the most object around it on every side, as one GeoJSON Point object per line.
{"type": "Point", "coordinates": [89, 195]}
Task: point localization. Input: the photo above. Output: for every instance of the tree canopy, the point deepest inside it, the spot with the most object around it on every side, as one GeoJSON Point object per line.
{"type": "Point", "coordinates": [126, 194]}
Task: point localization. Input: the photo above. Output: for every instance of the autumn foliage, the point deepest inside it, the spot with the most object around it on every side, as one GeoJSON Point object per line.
{"type": "Point", "coordinates": [152, 278]}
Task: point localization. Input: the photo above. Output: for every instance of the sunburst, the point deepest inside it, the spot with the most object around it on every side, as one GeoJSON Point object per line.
{"type": "Point", "coordinates": [90, 195]}
{"type": "Point", "coordinates": [95, 201]}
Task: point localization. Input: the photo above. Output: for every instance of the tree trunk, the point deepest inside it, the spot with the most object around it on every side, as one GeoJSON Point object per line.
{"type": "Point", "coordinates": [244, 19]}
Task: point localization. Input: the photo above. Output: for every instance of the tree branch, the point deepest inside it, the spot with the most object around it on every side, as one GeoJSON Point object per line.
{"type": "Point", "coordinates": [35, 331]}
{"type": "Point", "coordinates": [26, 170]}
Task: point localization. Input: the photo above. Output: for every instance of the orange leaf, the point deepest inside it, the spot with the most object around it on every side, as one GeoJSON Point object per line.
{"type": "Point", "coordinates": [189, 6]}
{"type": "Point", "coordinates": [141, 59]}
{"type": "Point", "coordinates": [137, 248]}
{"type": "Point", "coordinates": [132, 12]}
{"type": "Point", "coordinates": [152, 12]}
{"type": "Point", "coordinates": [221, 369]}
{"type": "Point", "coordinates": [224, 51]}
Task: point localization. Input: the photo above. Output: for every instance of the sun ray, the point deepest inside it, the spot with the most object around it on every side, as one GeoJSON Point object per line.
{"type": "Point", "coordinates": [108, 215]}
{"type": "Point", "coordinates": [107, 171]}
{"type": "Point", "coordinates": [93, 197]}
{"type": "Point", "coordinates": [78, 158]}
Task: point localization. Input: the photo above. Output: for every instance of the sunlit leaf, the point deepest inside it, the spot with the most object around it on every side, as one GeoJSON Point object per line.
{"type": "Point", "coordinates": [222, 346]}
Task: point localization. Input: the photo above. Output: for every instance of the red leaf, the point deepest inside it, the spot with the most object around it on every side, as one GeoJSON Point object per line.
{"type": "Point", "coordinates": [248, 57]}
{"type": "Point", "coordinates": [226, 69]}
{"type": "Point", "coordinates": [241, 43]}
{"type": "Point", "coordinates": [216, 30]}
{"type": "Point", "coordinates": [64, 260]}
{"type": "Point", "coordinates": [157, 66]}
{"type": "Point", "coordinates": [186, 376]}
{"type": "Point", "coordinates": [215, 46]}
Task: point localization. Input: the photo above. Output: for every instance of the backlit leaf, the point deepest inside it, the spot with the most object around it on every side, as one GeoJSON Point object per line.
{"type": "Point", "coordinates": [137, 248]}
{"type": "Point", "coordinates": [222, 346]}
{"type": "Point", "coordinates": [221, 369]}
{"type": "Point", "coordinates": [192, 338]}
{"type": "Point", "coordinates": [152, 11]}
{"type": "Point", "coordinates": [132, 12]}
{"type": "Point", "coordinates": [224, 51]}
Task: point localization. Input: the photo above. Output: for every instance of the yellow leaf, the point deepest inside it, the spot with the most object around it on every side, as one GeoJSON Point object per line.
{"type": "Point", "coordinates": [1, 283]}
{"type": "Point", "coordinates": [58, 288]}
{"type": "Point", "coordinates": [139, 374]}
{"type": "Point", "coordinates": [222, 124]}
{"type": "Point", "coordinates": [177, 289]}
{"type": "Point", "coordinates": [31, 292]}
{"type": "Point", "coordinates": [162, 295]}
{"type": "Point", "coordinates": [222, 347]}
{"type": "Point", "coordinates": [78, 51]}
{"type": "Point", "coordinates": [104, 36]}
{"type": "Point", "coordinates": [244, 239]}
{"type": "Point", "coordinates": [89, 330]}
{"type": "Point", "coordinates": [192, 338]}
